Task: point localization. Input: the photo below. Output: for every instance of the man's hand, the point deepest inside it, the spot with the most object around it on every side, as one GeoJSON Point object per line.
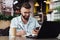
{"type": "Point", "coordinates": [35, 31]}
{"type": "Point", "coordinates": [20, 33]}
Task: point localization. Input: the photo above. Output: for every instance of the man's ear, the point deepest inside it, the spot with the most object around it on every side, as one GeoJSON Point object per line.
{"type": "Point", "coordinates": [20, 11]}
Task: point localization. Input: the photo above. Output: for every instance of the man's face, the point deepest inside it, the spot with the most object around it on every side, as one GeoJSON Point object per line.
{"type": "Point", "coordinates": [25, 13]}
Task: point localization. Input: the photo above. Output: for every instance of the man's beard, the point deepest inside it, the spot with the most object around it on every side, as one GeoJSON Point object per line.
{"type": "Point", "coordinates": [26, 18]}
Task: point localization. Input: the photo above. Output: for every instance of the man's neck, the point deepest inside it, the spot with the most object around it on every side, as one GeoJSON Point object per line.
{"type": "Point", "coordinates": [24, 20]}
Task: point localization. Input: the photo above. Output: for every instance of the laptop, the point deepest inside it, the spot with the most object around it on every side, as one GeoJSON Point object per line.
{"type": "Point", "coordinates": [49, 29]}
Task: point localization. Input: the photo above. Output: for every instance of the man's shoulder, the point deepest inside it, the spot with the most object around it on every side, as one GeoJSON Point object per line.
{"type": "Point", "coordinates": [33, 18]}
{"type": "Point", "coordinates": [16, 18]}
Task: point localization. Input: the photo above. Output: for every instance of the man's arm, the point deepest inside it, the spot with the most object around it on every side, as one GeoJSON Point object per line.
{"type": "Point", "coordinates": [36, 30]}
{"type": "Point", "coordinates": [13, 29]}
{"type": "Point", "coordinates": [12, 32]}
{"type": "Point", "coordinates": [37, 27]}
{"type": "Point", "coordinates": [20, 33]}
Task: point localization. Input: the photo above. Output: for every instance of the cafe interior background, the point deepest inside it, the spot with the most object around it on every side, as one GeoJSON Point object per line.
{"type": "Point", "coordinates": [42, 10]}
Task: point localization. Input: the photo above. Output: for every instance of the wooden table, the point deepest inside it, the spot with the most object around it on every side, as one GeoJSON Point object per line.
{"type": "Point", "coordinates": [20, 38]}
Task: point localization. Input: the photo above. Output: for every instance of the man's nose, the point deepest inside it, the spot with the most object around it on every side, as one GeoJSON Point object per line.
{"type": "Point", "coordinates": [27, 14]}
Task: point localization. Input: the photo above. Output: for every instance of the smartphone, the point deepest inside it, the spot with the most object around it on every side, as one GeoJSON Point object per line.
{"type": "Point", "coordinates": [37, 28]}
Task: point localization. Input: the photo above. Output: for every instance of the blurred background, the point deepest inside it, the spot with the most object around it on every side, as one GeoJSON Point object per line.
{"type": "Point", "coordinates": [42, 10]}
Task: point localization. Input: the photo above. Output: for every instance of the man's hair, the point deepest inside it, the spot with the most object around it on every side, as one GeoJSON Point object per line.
{"type": "Point", "coordinates": [26, 5]}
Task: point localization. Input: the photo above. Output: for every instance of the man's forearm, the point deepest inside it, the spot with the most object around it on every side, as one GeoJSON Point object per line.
{"type": "Point", "coordinates": [20, 33]}
{"type": "Point", "coordinates": [12, 32]}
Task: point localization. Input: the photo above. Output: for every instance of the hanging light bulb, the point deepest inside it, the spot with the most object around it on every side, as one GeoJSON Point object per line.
{"type": "Point", "coordinates": [47, 2]}
{"type": "Point", "coordinates": [36, 4]}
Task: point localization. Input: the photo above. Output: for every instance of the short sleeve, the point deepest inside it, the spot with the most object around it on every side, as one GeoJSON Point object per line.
{"type": "Point", "coordinates": [13, 23]}
{"type": "Point", "coordinates": [37, 24]}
